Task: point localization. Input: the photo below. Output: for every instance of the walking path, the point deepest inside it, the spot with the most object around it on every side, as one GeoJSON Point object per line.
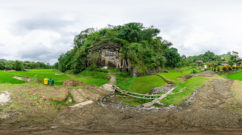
{"type": "Point", "coordinates": [158, 99]}
{"type": "Point", "coordinates": [135, 95]}
{"type": "Point", "coordinates": [112, 80]}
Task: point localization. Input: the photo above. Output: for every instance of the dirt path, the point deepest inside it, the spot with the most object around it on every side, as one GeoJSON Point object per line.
{"type": "Point", "coordinates": [158, 99]}
{"type": "Point", "coordinates": [112, 79]}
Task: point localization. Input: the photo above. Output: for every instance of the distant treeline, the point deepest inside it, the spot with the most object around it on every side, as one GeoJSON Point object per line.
{"type": "Point", "coordinates": [21, 65]}
{"type": "Point", "coordinates": [209, 57]}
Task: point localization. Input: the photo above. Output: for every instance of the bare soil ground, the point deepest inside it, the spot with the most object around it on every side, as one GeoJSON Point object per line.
{"type": "Point", "coordinates": [48, 92]}
{"type": "Point", "coordinates": [209, 113]}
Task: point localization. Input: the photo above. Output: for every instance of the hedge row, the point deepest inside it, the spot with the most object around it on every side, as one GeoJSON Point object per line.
{"type": "Point", "coordinates": [226, 68]}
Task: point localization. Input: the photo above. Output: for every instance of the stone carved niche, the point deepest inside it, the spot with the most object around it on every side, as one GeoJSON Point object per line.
{"type": "Point", "coordinates": [112, 58]}
{"type": "Point", "coordinates": [109, 55]}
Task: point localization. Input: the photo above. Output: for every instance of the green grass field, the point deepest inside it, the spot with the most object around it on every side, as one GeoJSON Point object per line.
{"type": "Point", "coordinates": [235, 76]}
{"type": "Point", "coordinates": [174, 75]}
{"type": "Point", "coordinates": [40, 74]}
{"type": "Point", "coordinates": [92, 77]}
{"type": "Point", "coordinates": [184, 90]}
{"type": "Point", "coordinates": [6, 77]}
{"type": "Point", "coordinates": [139, 84]}
{"type": "Point", "coordinates": [89, 77]}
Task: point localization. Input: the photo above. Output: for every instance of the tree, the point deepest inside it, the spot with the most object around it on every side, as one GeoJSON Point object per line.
{"type": "Point", "coordinates": [172, 57]}
{"type": "Point", "coordinates": [19, 66]}
{"type": "Point", "coordinates": [209, 56]}
{"type": "Point", "coordinates": [233, 60]}
{"type": "Point", "coordinates": [2, 64]}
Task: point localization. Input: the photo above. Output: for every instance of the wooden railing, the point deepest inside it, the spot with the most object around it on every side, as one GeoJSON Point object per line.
{"type": "Point", "coordinates": [135, 95]}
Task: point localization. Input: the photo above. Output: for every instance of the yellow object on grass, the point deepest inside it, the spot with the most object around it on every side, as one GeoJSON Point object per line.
{"type": "Point", "coordinates": [46, 80]}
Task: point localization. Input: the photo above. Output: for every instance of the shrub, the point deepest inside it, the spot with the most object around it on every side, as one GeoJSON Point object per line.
{"type": "Point", "coordinates": [229, 68]}
{"type": "Point", "coordinates": [225, 69]}
{"type": "Point", "coordinates": [194, 71]}
{"type": "Point", "coordinates": [233, 67]}
{"type": "Point", "coordinates": [218, 69]}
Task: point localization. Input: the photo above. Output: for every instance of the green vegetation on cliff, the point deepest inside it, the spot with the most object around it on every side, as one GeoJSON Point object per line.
{"type": "Point", "coordinates": [139, 46]}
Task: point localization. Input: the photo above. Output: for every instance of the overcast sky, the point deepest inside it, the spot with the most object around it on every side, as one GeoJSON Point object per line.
{"type": "Point", "coordinates": [41, 30]}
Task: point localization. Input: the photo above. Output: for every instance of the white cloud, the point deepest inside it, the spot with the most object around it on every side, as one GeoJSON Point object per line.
{"type": "Point", "coordinates": [43, 29]}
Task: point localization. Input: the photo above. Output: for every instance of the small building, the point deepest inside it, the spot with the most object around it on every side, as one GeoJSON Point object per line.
{"type": "Point", "coordinates": [199, 63]}
{"type": "Point", "coordinates": [224, 64]}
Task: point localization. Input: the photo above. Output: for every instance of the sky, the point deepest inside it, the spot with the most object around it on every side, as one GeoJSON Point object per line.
{"type": "Point", "coordinates": [42, 30]}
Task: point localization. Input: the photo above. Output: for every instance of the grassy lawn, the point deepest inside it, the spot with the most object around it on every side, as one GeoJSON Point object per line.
{"type": "Point", "coordinates": [235, 76]}
{"type": "Point", "coordinates": [139, 84]}
{"type": "Point", "coordinates": [145, 83]}
{"type": "Point", "coordinates": [184, 90]}
{"type": "Point", "coordinates": [92, 77]}
{"type": "Point", "coordinates": [6, 77]}
{"type": "Point", "coordinates": [43, 73]}
{"type": "Point", "coordinates": [89, 77]}
{"type": "Point", "coordinates": [174, 75]}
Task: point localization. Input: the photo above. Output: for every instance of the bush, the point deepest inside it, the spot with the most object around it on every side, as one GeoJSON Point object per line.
{"type": "Point", "coordinates": [194, 71]}
{"type": "Point", "coordinates": [234, 68]}
{"type": "Point", "coordinates": [225, 69]}
{"type": "Point", "coordinates": [218, 69]}
{"type": "Point", "coordinates": [230, 68]}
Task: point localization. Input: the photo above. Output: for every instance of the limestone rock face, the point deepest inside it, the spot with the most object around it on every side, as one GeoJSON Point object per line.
{"type": "Point", "coordinates": [112, 58]}
{"type": "Point", "coordinates": [109, 55]}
